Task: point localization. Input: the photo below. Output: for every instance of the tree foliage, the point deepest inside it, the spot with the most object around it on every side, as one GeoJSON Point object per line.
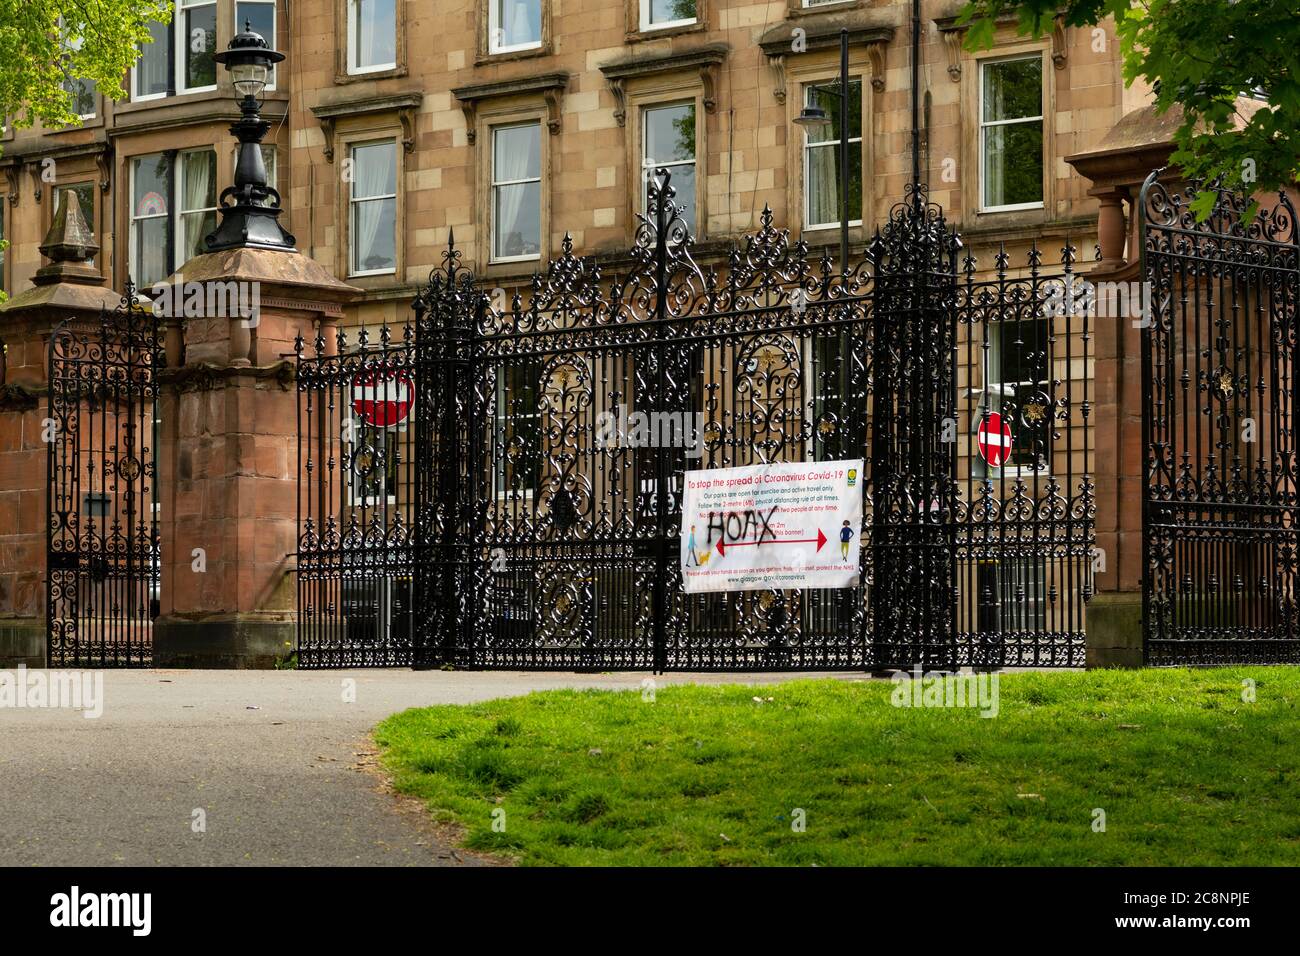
{"type": "Point", "coordinates": [1202, 55]}
{"type": "Point", "coordinates": [44, 43]}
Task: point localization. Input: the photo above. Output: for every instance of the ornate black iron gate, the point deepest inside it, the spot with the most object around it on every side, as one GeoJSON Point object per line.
{"type": "Point", "coordinates": [1220, 527]}
{"type": "Point", "coordinates": [483, 517]}
{"type": "Point", "coordinates": [103, 541]}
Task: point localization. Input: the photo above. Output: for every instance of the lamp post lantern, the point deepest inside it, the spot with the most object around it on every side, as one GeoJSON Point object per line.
{"type": "Point", "coordinates": [250, 209]}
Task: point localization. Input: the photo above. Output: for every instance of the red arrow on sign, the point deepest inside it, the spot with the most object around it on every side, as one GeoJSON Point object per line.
{"type": "Point", "coordinates": [820, 539]}
{"type": "Point", "coordinates": [382, 399]}
{"type": "Point", "coordinates": [994, 439]}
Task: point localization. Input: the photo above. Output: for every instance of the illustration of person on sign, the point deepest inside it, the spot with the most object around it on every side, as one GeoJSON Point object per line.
{"type": "Point", "coordinates": [694, 559]}
{"type": "Point", "coordinates": [846, 535]}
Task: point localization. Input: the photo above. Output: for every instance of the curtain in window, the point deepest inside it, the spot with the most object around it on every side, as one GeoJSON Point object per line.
{"type": "Point", "coordinates": [516, 156]}
{"type": "Point", "coordinates": [376, 32]}
{"type": "Point", "coordinates": [823, 185]}
{"type": "Point", "coordinates": [521, 21]}
{"type": "Point", "coordinates": [374, 174]}
{"type": "Point", "coordinates": [995, 174]}
{"type": "Point", "coordinates": [198, 175]}
{"type": "Point", "coordinates": [823, 155]}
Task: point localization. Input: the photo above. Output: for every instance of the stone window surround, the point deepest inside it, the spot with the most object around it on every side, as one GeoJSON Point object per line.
{"type": "Point", "coordinates": [954, 35]}
{"type": "Point", "coordinates": [549, 87]}
{"type": "Point", "coordinates": [404, 105]}
{"type": "Point", "coordinates": [365, 118]}
{"type": "Point", "coordinates": [867, 33]}
{"type": "Point", "coordinates": [87, 165]}
{"type": "Point", "coordinates": [796, 8]}
{"type": "Point", "coordinates": [499, 104]}
{"type": "Point", "coordinates": [508, 113]}
{"type": "Point", "coordinates": [663, 90]}
{"type": "Point", "coordinates": [484, 54]}
{"type": "Point", "coordinates": [226, 29]}
{"type": "Point", "coordinates": [374, 129]}
{"type": "Point", "coordinates": [341, 74]}
{"type": "Point", "coordinates": [819, 71]}
{"type": "Point", "coordinates": [634, 33]}
{"type": "Point", "coordinates": [1007, 44]}
{"type": "Point", "coordinates": [705, 61]}
{"type": "Point", "coordinates": [95, 168]}
{"type": "Point", "coordinates": [118, 204]}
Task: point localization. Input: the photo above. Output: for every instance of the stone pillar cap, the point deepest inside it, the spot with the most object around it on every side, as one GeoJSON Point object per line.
{"type": "Point", "coordinates": [69, 245]}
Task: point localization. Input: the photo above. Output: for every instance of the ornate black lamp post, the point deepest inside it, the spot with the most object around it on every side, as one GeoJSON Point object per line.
{"type": "Point", "coordinates": [250, 209]}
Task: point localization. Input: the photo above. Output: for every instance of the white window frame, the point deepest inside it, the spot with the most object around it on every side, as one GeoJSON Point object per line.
{"type": "Point", "coordinates": [494, 184]}
{"type": "Point", "coordinates": [648, 168]}
{"type": "Point", "coordinates": [75, 43]}
{"type": "Point", "coordinates": [183, 46]}
{"type": "Point", "coordinates": [1002, 389]}
{"type": "Point", "coordinates": [179, 212]}
{"type": "Point", "coordinates": [144, 97]}
{"type": "Point", "coordinates": [95, 97]}
{"type": "Point", "coordinates": [391, 437]}
{"type": "Point", "coordinates": [647, 26]}
{"type": "Point", "coordinates": [275, 28]}
{"type": "Point", "coordinates": [812, 372]}
{"type": "Point", "coordinates": [354, 68]}
{"type": "Point", "coordinates": [353, 200]}
{"type": "Point", "coordinates": [133, 247]}
{"type": "Point", "coordinates": [987, 124]}
{"type": "Point", "coordinates": [494, 28]}
{"type": "Point", "coordinates": [808, 224]}
{"type": "Point", "coordinates": [811, 4]}
{"type": "Point", "coordinates": [501, 421]}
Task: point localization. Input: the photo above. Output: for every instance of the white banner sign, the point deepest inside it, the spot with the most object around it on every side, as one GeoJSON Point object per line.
{"type": "Point", "coordinates": [786, 525]}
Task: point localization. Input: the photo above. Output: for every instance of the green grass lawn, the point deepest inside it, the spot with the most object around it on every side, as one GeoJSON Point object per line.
{"type": "Point", "coordinates": [1186, 772]}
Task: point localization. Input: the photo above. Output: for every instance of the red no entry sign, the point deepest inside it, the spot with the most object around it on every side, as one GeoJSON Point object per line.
{"type": "Point", "coordinates": [382, 399]}
{"type": "Point", "coordinates": [994, 438]}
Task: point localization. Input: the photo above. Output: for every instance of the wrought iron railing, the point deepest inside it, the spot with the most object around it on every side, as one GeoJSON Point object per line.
{"type": "Point", "coordinates": [524, 539]}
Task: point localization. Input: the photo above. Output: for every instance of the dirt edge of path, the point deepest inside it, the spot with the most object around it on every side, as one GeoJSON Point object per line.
{"type": "Point", "coordinates": [446, 840]}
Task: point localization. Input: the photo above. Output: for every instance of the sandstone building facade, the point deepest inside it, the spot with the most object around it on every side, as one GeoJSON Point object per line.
{"type": "Point", "coordinates": [514, 122]}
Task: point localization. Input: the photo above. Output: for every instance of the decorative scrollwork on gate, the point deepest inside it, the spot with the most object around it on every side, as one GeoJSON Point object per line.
{"type": "Point", "coordinates": [1219, 523]}
{"type": "Point", "coordinates": [555, 425]}
{"type": "Point", "coordinates": [103, 542]}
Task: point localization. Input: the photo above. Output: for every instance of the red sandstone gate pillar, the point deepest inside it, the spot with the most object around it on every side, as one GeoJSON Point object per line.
{"type": "Point", "coordinates": [229, 456]}
{"type": "Point", "coordinates": [1114, 617]}
{"type": "Point", "coordinates": [68, 287]}
{"type": "Point", "coordinates": [1117, 167]}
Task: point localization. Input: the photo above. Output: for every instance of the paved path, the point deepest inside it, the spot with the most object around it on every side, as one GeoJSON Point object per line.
{"type": "Point", "coordinates": [276, 759]}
